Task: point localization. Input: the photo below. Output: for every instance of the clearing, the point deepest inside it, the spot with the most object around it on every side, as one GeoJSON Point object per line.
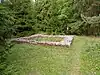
{"type": "Point", "coordinates": [27, 59]}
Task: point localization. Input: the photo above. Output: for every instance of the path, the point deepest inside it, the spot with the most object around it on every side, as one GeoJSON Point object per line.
{"type": "Point", "coordinates": [75, 68]}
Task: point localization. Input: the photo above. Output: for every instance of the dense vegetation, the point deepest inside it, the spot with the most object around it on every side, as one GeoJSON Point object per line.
{"type": "Point", "coordinates": [6, 22]}
{"type": "Point", "coordinates": [25, 17]}
{"type": "Point", "coordinates": [67, 16]}
{"type": "Point", "coordinates": [56, 17]}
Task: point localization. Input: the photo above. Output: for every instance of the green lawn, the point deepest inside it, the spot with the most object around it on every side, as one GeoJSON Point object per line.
{"type": "Point", "coordinates": [82, 58]}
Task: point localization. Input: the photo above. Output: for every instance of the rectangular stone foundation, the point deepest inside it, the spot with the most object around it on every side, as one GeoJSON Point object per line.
{"type": "Point", "coordinates": [67, 40]}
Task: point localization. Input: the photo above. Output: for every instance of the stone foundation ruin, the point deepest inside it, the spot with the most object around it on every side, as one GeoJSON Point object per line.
{"type": "Point", "coordinates": [66, 40]}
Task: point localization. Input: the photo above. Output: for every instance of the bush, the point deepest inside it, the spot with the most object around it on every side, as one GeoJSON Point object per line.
{"type": "Point", "coordinates": [23, 30]}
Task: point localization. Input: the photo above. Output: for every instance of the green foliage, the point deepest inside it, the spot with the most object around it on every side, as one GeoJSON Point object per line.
{"type": "Point", "coordinates": [54, 17]}
{"type": "Point", "coordinates": [23, 15]}
{"type": "Point", "coordinates": [6, 22]}
{"type": "Point", "coordinates": [76, 28]}
{"type": "Point", "coordinates": [92, 24]}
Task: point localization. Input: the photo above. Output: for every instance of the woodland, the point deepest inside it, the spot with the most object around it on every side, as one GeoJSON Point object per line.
{"type": "Point", "coordinates": [19, 18]}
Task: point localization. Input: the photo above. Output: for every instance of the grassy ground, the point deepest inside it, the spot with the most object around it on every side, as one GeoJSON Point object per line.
{"type": "Point", "coordinates": [82, 58]}
{"type": "Point", "coordinates": [55, 39]}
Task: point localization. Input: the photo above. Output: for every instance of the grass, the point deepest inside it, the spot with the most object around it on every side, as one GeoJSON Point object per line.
{"type": "Point", "coordinates": [53, 39]}
{"type": "Point", "coordinates": [91, 59]}
{"type": "Point", "coordinates": [82, 58]}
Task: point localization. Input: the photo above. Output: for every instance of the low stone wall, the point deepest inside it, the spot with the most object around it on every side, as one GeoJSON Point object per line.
{"type": "Point", "coordinates": [67, 40]}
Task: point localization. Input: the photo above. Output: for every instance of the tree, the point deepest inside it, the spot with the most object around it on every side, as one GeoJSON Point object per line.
{"type": "Point", "coordinates": [23, 15]}
{"type": "Point", "coordinates": [54, 16]}
{"type": "Point", "coordinates": [6, 22]}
